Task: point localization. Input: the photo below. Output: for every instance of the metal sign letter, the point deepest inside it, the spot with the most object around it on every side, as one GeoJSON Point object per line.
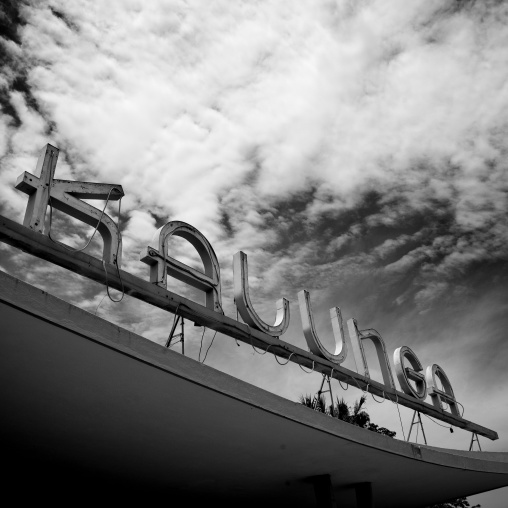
{"type": "Point", "coordinates": [309, 331]}
{"type": "Point", "coordinates": [244, 305]}
{"type": "Point", "coordinates": [404, 374]}
{"type": "Point", "coordinates": [357, 338]}
{"type": "Point", "coordinates": [66, 196]}
{"type": "Point", "coordinates": [437, 395]}
{"type": "Point", "coordinates": [161, 264]}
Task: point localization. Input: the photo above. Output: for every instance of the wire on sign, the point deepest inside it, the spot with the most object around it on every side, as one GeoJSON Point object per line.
{"type": "Point", "coordinates": [252, 345]}
{"type": "Point", "coordinates": [398, 411]}
{"type": "Point", "coordinates": [309, 371]}
{"type": "Point", "coordinates": [437, 423]}
{"type": "Point", "coordinates": [116, 257]}
{"type": "Point", "coordinates": [236, 340]}
{"type": "Point", "coordinates": [174, 343]}
{"type": "Point", "coordinates": [94, 231]}
{"type": "Point", "coordinates": [100, 303]}
{"type": "Point", "coordinates": [289, 359]}
{"type": "Point", "coordinates": [91, 238]}
{"type": "Point", "coordinates": [356, 382]}
{"type": "Point", "coordinates": [379, 401]}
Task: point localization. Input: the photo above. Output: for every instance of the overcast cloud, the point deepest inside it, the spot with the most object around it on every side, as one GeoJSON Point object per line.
{"type": "Point", "coordinates": [354, 149]}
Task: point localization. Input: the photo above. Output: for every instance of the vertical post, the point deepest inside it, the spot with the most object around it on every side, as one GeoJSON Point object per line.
{"type": "Point", "coordinates": [364, 498]}
{"type": "Point", "coordinates": [183, 347]}
{"type": "Point", "coordinates": [39, 195]}
{"type": "Point", "coordinates": [323, 491]}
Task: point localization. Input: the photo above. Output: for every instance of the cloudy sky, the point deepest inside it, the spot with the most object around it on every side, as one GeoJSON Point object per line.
{"type": "Point", "coordinates": [356, 149]}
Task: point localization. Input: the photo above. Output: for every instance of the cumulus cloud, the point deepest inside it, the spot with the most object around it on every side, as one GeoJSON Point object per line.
{"type": "Point", "coordinates": [356, 149]}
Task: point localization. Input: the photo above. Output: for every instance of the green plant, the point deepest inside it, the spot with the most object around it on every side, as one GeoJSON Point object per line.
{"type": "Point", "coordinates": [355, 415]}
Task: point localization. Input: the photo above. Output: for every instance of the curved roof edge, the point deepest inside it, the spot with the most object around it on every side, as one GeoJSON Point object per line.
{"type": "Point", "coordinates": [203, 381]}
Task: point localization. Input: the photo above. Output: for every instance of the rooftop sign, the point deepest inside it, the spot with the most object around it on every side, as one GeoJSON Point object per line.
{"type": "Point", "coordinates": [35, 237]}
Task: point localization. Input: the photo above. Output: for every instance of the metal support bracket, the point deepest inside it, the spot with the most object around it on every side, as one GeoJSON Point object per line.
{"type": "Point", "coordinates": [326, 379]}
{"type": "Point", "coordinates": [417, 420]}
{"type": "Point", "coordinates": [179, 336]}
{"type": "Point", "coordinates": [475, 438]}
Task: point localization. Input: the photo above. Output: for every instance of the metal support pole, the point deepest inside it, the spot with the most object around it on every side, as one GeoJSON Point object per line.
{"type": "Point", "coordinates": [173, 328]}
{"type": "Point", "coordinates": [474, 437]}
{"type": "Point", "coordinates": [178, 335]}
{"type": "Point", "coordinates": [326, 378]}
{"type": "Point", "coordinates": [183, 346]}
{"type": "Point", "coordinates": [417, 420]}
